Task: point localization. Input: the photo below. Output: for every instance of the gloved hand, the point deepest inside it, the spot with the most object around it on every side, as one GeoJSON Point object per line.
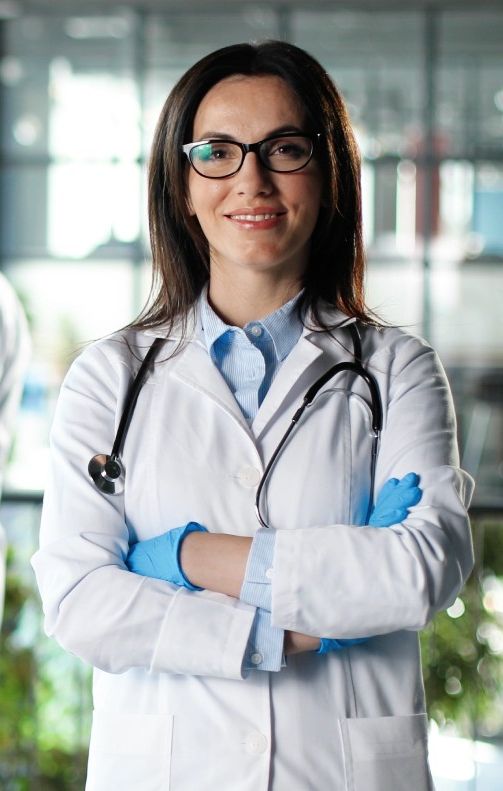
{"type": "Point", "coordinates": [392, 506]}
{"type": "Point", "coordinates": [327, 644]}
{"type": "Point", "coordinates": [394, 500]}
{"type": "Point", "coordinates": [159, 557]}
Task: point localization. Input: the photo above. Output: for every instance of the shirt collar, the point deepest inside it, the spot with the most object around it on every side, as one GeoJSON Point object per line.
{"type": "Point", "coordinates": [190, 330]}
{"type": "Point", "coordinates": [284, 325]}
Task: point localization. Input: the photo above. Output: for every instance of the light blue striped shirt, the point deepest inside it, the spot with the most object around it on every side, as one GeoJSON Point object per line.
{"type": "Point", "coordinates": [249, 359]}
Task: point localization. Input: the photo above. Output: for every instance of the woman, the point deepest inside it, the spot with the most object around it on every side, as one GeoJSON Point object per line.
{"type": "Point", "coordinates": [238, 658]}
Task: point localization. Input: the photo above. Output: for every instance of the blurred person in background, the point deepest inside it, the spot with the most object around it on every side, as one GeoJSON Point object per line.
{"type": "Point", "coordinates": [14, 355]}
{"type": "Point", "coordinates": [230, 655]}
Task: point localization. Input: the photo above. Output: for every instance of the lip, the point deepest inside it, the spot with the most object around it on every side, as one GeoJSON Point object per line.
{"type": "Point", "coordinates": [258, 218]}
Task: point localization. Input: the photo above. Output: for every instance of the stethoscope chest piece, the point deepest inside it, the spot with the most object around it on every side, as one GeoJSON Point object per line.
{"type": "Point", "coordinates": [107, 473]}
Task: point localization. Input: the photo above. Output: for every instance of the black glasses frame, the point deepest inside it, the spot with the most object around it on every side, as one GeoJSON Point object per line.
{"type": "Point", "coordinates": [256, 148]}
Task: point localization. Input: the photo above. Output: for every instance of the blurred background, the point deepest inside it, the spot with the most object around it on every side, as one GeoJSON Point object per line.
{"type": "Point", "coordinates": [81, 86]}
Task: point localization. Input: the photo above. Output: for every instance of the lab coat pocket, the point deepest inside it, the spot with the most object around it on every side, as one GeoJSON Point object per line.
{"type": "Point", "coordinates": [383, 753]}
{"type": "Point", "coordinates": [129, 751]}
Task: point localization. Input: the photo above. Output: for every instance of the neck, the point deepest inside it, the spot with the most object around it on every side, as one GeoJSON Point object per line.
{"type": "Point", "coordinates": [238, 303]}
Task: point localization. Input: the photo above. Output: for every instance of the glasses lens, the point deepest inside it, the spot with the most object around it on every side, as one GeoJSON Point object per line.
{"type": "Point", "coordinates": [284, 154]}
{"type": "Point", "coordinates": [216, 159]}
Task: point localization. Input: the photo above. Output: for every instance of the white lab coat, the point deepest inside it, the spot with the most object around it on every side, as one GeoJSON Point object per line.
{"type": "Point", "coordinates": [171, 709]}
{"type": "Point", "coordinates": [14, 355]}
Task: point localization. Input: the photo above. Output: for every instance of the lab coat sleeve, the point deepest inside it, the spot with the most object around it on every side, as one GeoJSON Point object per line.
{"type": "Point", "coordinates": [93, 605]}
{"type": "Point", "coordinates": [377, 581]}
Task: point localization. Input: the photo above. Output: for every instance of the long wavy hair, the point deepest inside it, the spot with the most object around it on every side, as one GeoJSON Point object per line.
{"type": "Point", "coordinates": [335, 273]}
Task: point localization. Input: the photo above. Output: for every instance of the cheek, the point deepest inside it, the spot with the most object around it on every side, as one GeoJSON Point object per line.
{"type": "Point", "coordinates": [203, 195]}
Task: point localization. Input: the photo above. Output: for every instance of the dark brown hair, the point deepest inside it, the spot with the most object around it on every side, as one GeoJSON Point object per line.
{"type": "Point", "coordinates": [335, 274]}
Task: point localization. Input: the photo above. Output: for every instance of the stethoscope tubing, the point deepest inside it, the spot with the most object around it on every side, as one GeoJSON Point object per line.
{"type": "Point", "coordinates": [377, 419]}
{"type": "Point", "coordinates": [107, 471]}
{"type": "Point", "coordinates": [132, 397]}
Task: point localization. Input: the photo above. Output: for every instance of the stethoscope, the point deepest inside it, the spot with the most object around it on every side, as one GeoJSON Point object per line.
{"type": "Point", "coordinates": [107, 470]}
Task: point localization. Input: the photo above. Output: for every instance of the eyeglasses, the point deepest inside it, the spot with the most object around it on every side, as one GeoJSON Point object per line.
{"type": "Point", "coordinates": [217, 159]}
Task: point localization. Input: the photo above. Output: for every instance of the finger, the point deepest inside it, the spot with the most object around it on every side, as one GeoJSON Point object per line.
{"type": "Point", "coordinates": [387, 490]}
{"type": "Point", "coordinates": [389, 517]}
{"type": "Point", "coordinates": [406, 497]}
{"type": "Point", "coordinates": [411, 479]}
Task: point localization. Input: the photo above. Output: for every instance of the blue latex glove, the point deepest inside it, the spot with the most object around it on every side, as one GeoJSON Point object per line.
{"type": "Point", "coordinates": [327, 644]}
{"type": "Point", "coordinates": [392, 506]}
{"type": "Point", "coordinates": [159, 557]}
{"type": "Point", "coordinates": [395, 499]}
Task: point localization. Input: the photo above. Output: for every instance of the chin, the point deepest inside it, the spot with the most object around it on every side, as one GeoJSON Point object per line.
{"type": "Point", "coordinates": [266, 266]}
{"type": "Point", "coordinates": [267, 261]}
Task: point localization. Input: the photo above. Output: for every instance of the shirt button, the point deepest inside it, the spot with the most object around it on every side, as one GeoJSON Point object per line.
{"type": "Point", "coordinates": [256, 330]}
{"type": "Point", "coordinates": [249, 477]}
{"type": "Point", "coordinates": [256, 658]}
{"type": "Point", "coordinates": [269, 574]}
{"type": "Point", "coordinates": [256, 743]}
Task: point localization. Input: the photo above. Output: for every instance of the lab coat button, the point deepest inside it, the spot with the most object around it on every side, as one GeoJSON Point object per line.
{"type": "Point", "coordinates": [249, 477]}
{"type": "Point", "coordinates": [256, 743]}
{"type": "Point", "coordinates": [256, 658]}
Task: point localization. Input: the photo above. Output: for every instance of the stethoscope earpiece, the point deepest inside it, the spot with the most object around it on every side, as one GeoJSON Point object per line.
{"type": "Point", "coordinates": [107, 473]}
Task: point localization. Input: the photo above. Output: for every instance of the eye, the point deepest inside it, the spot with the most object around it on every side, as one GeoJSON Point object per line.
{"type": "Point", "coordinates": [293, 148]}
{"type": "Point", "coordinates": [215, 152]}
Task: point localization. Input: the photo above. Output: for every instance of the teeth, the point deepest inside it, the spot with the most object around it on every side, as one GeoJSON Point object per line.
{"type": "Point", "coordinates": [253, 217]}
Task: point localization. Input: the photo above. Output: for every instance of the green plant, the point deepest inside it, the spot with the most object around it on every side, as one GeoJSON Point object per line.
{"type": "Point", "coordinates": [462, 649]}
{"type": "Point", "coordinates": [29, 757]}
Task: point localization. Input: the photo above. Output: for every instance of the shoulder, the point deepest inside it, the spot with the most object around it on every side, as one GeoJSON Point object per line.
{"type": "Point", "coordinates": [392, 341]}
{"type": "Point", "coordinates": [402, 361]}
{"type": "Point", "coordinates": [108, 363]}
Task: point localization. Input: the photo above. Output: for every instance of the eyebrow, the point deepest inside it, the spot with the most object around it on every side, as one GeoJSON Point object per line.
{"type": "Point", "coordinates": [280, 130]}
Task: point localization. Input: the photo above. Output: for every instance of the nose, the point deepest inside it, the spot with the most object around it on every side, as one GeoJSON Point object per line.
{"type": "Point", "coordinates": [253, 178]}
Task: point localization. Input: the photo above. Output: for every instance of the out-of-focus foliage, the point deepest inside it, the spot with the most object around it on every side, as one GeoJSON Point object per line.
{"type": "Point", "coordinates": [462, 649]}
{"type": "Point", "coordinates": [17, 671]}
{"type": "Point", "coordinates": [26, 762]}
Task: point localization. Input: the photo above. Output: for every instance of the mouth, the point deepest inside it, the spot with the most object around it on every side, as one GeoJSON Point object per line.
{"type": "Point", "coordinates": [255, 217]}
{"type": "Point", "coordinates": [258, 220]}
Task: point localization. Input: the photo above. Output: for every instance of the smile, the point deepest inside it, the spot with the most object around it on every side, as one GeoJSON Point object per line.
{"type": "Point", "coordinates": [253, 217]}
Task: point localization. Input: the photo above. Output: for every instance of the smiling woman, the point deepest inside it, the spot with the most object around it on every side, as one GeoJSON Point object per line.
{"type": "Point", "coordinates": [227, 655]}
{"type": "Point", "coordinates": [258, 222]}
{"type": "Point", "coordinates": [249, 95]}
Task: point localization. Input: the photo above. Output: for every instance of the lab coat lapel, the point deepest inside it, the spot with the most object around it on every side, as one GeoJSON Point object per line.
{"type": "Point", "coordinates": [302, 356]}
{"type": "Point", "coordinates": [313, 354]}
{"type": "Point", "coordinates": [195, 369]}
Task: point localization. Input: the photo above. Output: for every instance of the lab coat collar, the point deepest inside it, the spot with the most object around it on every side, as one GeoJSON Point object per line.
{"type": "Point", "coordinates": [194, 367]}
{"type": "Point", "coordinates": [332, 317]}
{"type": "Point", "coordinates": [192, 328]}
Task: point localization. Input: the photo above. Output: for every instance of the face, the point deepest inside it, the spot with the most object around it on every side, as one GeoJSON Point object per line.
{"type": "Point", "coordinates": [255, 220]}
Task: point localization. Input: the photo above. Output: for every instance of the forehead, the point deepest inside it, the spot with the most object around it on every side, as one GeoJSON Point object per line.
{"type": "Point", "coordinates": [248, 108]}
